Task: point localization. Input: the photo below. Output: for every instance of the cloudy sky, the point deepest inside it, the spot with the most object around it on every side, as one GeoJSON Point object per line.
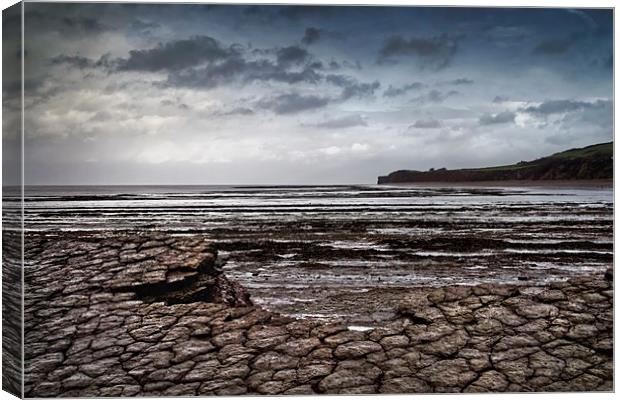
{"type": "Point", "coordinates": [196, 94]}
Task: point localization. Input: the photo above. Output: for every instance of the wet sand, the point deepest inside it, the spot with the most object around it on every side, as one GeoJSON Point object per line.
{"type": "Point", "coordinates": [352, 252]}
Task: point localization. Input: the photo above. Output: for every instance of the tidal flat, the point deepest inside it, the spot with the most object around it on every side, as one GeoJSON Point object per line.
{"type": "Point", "coordinates": [322, 289]}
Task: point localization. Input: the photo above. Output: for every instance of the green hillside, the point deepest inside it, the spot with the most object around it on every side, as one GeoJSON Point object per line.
{"type": "Point", "coordinates": [590, 162]}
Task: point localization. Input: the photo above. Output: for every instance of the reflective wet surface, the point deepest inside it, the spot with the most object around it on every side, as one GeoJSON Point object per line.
{"type": "Point", "coordinates": [351, 251]}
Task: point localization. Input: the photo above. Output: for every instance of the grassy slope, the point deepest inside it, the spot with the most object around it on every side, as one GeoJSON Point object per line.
{"type": "Point", "coordinates": [591, 162]}
{"type": "Point", "coordinates": [601, 149]}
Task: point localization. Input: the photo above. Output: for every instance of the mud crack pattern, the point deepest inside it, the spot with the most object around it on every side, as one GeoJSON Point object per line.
{"type": "Point", "coordinates": [153, 315]}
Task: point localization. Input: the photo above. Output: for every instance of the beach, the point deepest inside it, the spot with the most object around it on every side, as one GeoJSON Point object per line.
{"type": "Point", "coordinates": [347, 289]}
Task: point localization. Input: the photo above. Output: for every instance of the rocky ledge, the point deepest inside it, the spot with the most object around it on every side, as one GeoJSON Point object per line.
{"type": "Point", "coordinates": [154, 316]}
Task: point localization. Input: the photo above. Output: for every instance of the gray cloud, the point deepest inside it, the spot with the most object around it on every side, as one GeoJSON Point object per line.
{"type": "Point", "coordinates": [74, 61]}
{"type": "Point", "coordinates": [334, 65]}
{"type": "Point", "coordinates": [503, 117]}
{"type": "Point", "coordinates": [343, 122]}
{"type": "Point", "coordinates": [429, 123]}
{"type": "Point", "coordinates": [211, 76]}
{"type": "Point", "coordinates": [88, 25]}
{"type": "Point", "coordinates": [170, 103]}
{"type": "Point", "coordinates": [79, 62]}
{"type": "Point", "coordinates": [351, 87]}
{"type": "Point", "coordinates": [203, 62]}
{"type": "Point", "coordinates": [435, 52]}
{"type": "Point", "coordinates": [264, 70]}
{"type": "Point", "coordinates": [291, 55]}
{"type": "Point", "coordinates": [459, 81]}
{"type": "Point", "coordinates": [291, 103]}
{"type": "Point", "coordinates": [311, 35]}
{"type": "Point", "coordinates": [177, 55]}
{"type": "Point", "coordinates": [237, 111]}
{"type": "Point", "coordinates": [564, 106]}
{"type": "Point", "coordinates": [235, 67]}
{"type": "Point", "coordinates": [394, 92]}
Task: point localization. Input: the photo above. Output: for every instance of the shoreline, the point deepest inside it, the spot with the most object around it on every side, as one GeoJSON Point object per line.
{"type": "Point", "coordinates": [564, 183]}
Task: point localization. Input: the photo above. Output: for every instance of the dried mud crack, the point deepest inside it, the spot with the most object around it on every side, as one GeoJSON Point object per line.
{"type": "Point", "coordinates": [153, 315]}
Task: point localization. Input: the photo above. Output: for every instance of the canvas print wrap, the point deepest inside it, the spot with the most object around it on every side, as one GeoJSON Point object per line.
{"type": "Point", "coordinates": [285, 200]}
{"type": "Point", "coordinates": [12, 217]}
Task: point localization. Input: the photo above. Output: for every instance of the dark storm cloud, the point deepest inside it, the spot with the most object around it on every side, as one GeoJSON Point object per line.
{"type": "Point", "coordinates": [74, 61]}
{"type": "Point", "coordinates": [266, 71]}
{"type": "Point", "coordinates": [204, 62]}
{"type": "Point", "coordinates": [435, 52]}
{"type": "Point", "coordinates": [394, 91]}
{"type": "Point", "coordinates": [291, 55]}
{"type": "Point", "coordinates": [105, 62]}
{"type": "Point", "coordinates": [564, 106]}
{"type": "Point", "coordinates": [291, 103]}
{"type": "Point", "coordinates": [334, 65]}
{"type": "Point", "coordinates": [341, 123]}
{"type": "Point", "coordinates": [429, 123]}
{"type": "Point", "coordinates": [556, 46]}
{"type": "Point", "coordinates": [503, 117]}
{"type": "Point", "coordinates": [312, 35]}
{"type": "Point", "coordinates": [177, 55]}
{"type": "Point", "coordinates": [351, 87]}
{"type": "Point", "coordinates": [238, 69]}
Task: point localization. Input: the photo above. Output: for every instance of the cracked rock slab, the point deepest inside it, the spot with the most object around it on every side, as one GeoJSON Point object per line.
{"type": "Point", "coordinates": [154, 316]}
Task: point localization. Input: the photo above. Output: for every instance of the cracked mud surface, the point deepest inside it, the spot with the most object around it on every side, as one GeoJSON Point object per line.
{"type": "Point", "coordinates": [153, 315]}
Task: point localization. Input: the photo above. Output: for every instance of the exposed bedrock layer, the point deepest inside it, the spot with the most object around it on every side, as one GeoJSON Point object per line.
{"type": "Point", "coordinates": [154, 316]}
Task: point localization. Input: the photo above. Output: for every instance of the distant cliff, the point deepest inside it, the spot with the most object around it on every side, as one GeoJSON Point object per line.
{"type": "Point", "coordinates": [591, 162]}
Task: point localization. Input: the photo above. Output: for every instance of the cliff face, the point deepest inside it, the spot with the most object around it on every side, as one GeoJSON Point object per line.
{"type": "Point", "coordinates": [592, 162]}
